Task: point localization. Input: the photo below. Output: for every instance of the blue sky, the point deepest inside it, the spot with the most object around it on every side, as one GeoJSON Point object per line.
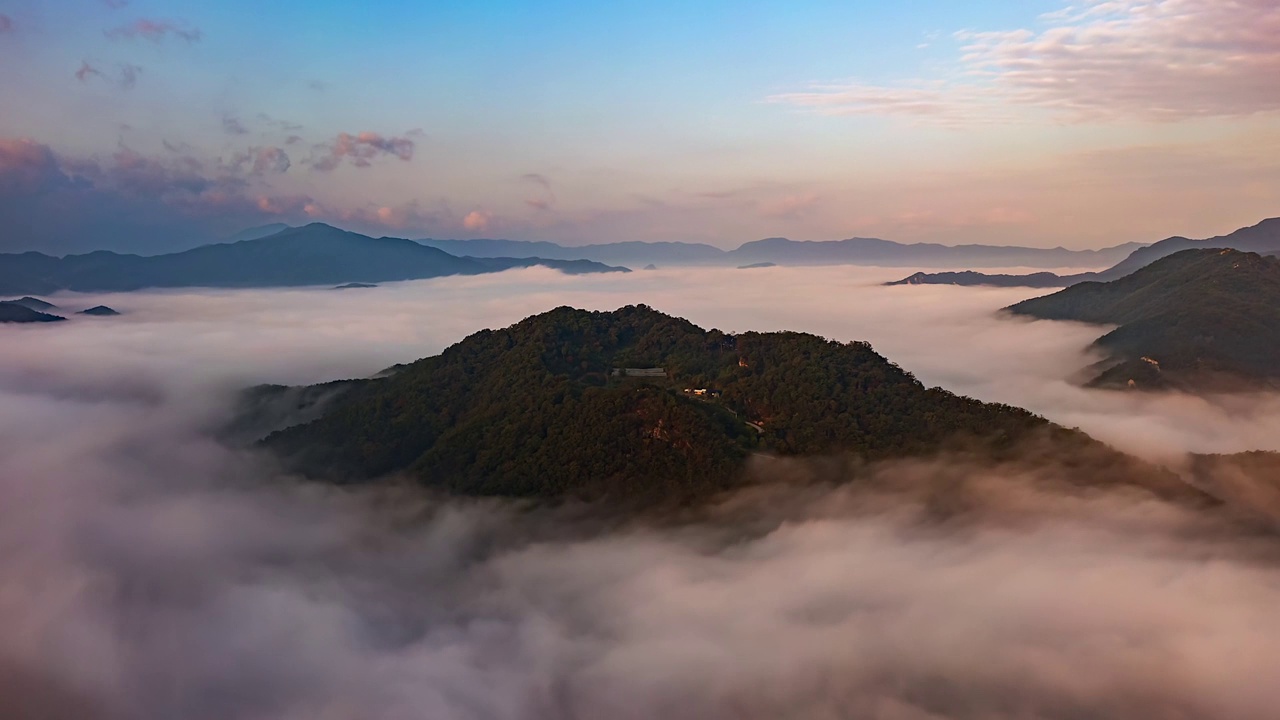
{"type": "Point", "coordinates": [163, 123]}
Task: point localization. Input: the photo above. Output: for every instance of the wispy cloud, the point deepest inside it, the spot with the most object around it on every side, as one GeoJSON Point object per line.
{"type": "Point", "coordinates": [547, 200]}
{"type": "Point", "coordinates": [6, 23]}
{"type": "Point", "coordinates": [155, 31]}
{"type": "Point", "coordinates": [361, 149]}
{"type": "Point", "coordinates": [125, 75]}
{"type": "Point", "coordinates": [129, 74]}
{"type": "Point", "coordinates": [262, 160]}
{"type": "Point", "coordinates": [929, 102]}
{"type": "Point", "coordinates": [1155, 60]}
{"type": "Point", "coordinates": [790, 206]}
{"type": "Point", "coordinates": [282, 125]}
{"type": "Point", "coordinates": [87, 71]}
{"type": "Point", "coordinates": [537, 179]}
{"type": "Point", "coordinates": [231, 125]}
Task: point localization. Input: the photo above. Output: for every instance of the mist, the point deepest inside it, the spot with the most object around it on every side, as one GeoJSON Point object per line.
{"type": "Point", "coordinates": [151, 572]}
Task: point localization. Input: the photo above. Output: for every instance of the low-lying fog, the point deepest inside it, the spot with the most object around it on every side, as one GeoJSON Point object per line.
{"type": "Point", "coordinates": [147, 572]}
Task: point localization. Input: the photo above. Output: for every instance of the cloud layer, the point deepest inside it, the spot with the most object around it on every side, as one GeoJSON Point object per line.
{"type": "Point", "coordinates": [151, 573]}
{"type": "Point", "coordinates": [1161, 60]}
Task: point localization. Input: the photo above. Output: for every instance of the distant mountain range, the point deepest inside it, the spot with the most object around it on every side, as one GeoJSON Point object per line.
{"type": "Point", "coordinates": [1197, 320]}
{"type": "Point", "coordinates": [545, 409]}
{"type": "Point", "coordinates": [781, 251]}
{"type": "Point", "coordinates": [316, 254]}
{"type": "Point", "coordinates": [1263, 238]}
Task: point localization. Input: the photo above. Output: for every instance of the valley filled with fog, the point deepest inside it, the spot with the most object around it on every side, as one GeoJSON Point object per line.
{"type": "Point", "coordinates": [156, 573]}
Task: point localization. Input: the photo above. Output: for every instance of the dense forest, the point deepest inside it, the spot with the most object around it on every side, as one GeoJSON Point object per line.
{"type": "Point", "coordinates": [1198, 319]}
{"type": "Point", "coordinates": [538, 409]}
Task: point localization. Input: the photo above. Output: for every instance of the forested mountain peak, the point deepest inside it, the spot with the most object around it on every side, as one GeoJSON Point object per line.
{"type": "Point", "coordinates": [636, 403]}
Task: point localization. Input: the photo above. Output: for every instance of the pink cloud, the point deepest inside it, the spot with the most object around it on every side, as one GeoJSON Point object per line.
{"type": "Point", "coordinates": [362, 149]}
{"type": "Point", "coordinates": [6, 23]}
{"type": "Point", "coordinates": [476, 221]}
{"type": "Point", "coordinates": [1159, 60]}
{"type": "Point", "coordinates": [374, 218]}
{"type": "Point", "coordinates": [155, 31]}
{"type": "Point", "coordinates": [27, 167]}
{"type": "Point", "coordinates": [287, 205]}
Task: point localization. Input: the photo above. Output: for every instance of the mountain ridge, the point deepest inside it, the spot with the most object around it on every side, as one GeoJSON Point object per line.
{"type": "Point", "coordinates": [1199, 319]}
{"type": "Point", "coordinates": [1262, 238]}
{"type": "Point", "coordinates": [783, 251]}
{"type": "Point", "coordinates": [315, 254]}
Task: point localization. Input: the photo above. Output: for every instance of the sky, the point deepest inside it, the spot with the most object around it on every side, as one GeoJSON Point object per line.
{"type": "Point", "coordinates": [148, 126]}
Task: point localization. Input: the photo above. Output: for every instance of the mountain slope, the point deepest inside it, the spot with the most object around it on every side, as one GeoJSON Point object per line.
{"type": "Point", "coordinates": [316, 254]}
{"type": "Point", "coordinates": [260, 231]}
{"type": "Point", "coordinates": [1263, 238]}
{"type": "Point", "coordinates": [1196, 319]}
{"type": "Point", "coordinates": [13, 312]}
{"type": "Point", "coordinates": [535, 410]}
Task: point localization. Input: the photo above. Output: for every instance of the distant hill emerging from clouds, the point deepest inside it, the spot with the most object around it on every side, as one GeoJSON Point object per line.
{"type": "Point", "coordinates": [1263, 238]}
{"type": "Point", "coordinates": [17, 312]}
{"type": "Point", "coordinates": [316, 254]}
{"type": "Point", "coordinates": [1197, 319]}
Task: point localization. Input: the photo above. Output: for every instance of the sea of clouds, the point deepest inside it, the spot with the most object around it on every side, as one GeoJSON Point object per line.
{"type": "Point", "coordinates": [148, 571]}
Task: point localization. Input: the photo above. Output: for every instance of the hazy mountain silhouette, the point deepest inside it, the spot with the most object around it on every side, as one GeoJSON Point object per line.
{"type": "Point", "coordinates": [631, 254]}
{"type": "Point", "coordinates": [1263, 238]}
{"type": "Point", "coordinates": [316, 254]}
{"type": "Point", "coordinates": [781, 251]}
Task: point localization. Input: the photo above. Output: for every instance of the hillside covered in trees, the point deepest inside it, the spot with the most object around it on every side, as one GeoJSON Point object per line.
{"type": "Point", "coordinates": [1198, 319]}
{"type": "Point", "coordinates": [545, 409]}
